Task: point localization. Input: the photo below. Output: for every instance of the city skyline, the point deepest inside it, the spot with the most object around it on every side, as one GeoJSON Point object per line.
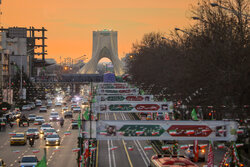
{"type": "Point", "coordinates": [70, 25]}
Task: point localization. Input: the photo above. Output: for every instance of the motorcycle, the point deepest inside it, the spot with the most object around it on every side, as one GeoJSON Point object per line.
{"type": "Point", "coordinates": [61, 123]}
{"type": "Point", "coordinates": [31, 141]}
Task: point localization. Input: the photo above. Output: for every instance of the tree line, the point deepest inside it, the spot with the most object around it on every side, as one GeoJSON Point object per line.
{"type": "Point", "coordinates": [205, 64]}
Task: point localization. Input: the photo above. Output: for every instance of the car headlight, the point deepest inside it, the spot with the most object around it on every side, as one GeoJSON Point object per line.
{"type": "Point", "coordinates": [58, 118]}
{"type": "Point", "coordinates": [50, 118]}
{"type": "Point", "coordinates": [202, 151]}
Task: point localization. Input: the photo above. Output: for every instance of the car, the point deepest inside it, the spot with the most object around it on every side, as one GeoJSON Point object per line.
{"type": "Point", "coordinates": [77, 110]}
{"type": "Point", "coordinates": [43, 109]}
{"type": "Point", "coordinates": [32, 132]}
{"type": "Point", "coordinates": [74, 124]}
{"type": "Point", "coordinates": [190, 154]}
{"type": "Point", "coordinates": [52, 140]}
{"type": "Point", "coordinates": [26, 108]}
{"type": "Point", "coordinates": [19, 138]}
{"type": "Point", "coordinates": [54, 116]}
{"type": "Point", "coordinates": [32, 105]}
{"type": "Point", "coordinates": [58, 104]}
{"type": "Point", "coordinates": [170, 161]}
{"type": "Point", "coordinates": [74, 105]}
{"type": "Point", "coordinates": [38, 102]}
{"type": "Point", "coordinates": [49, 132]}
{"type": "Point", "coordinates": [68, 114]}
{"type": "Point", "coordinates": [64, 109]}
{"type": "Point", "coordinates": [28, 161]}
{"type": "Point", "coordinates": [44, 127]}
{"type": "Point", "coordinates": [40, 120]}
{"type": "Point", "coordinates": [2, 163]}
{"type": "Point", "coordinates": [31, 117]}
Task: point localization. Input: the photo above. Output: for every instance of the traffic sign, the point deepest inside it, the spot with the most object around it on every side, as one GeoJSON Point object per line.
{"type": "Point", "coordinates": [164, 130]}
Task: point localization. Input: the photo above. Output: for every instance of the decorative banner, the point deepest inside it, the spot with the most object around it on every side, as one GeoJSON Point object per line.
{"type": "Point", "coordinates": [76, 149]}
{"type": "Point", "coordinates": [16, 151]}
{"type": "Point", "coordinates": [132, 91]}
{"type": "Point", "coordinates": [162, 130]}
{"type": "Point", "coordinates": [123, 98]}
{"type": "Point", "coordinates": [148, 148]}
{"type": "Point", "coordinates": [133, 106]}
{"type": "Point", "coordinates": [67, 133]}
{"type": "Point", "coordinates": [113, 148]}
{"type": "Point", "coordinates": [35, 151]}
{"type": "Point", "coordinates": [130, 148]}
{"type": "Point", "coordinates": [165, 147]}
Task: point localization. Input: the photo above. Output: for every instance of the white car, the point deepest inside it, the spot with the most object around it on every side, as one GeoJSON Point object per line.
{"type": "Point", "coordinates": [28, 160]}
{"type": "Point", "coordinates": [26, 108]}
{"type": "Point", "coordinates": [54, 116]}
{"type": "Point", "coordinates": [31, 117]}
{"type": "Point", "coordinates": [58, 104]}
{"type": "Point", "coordinates": [44, 127]}
{"type": "Point", "coordinates": [49, 132]}
{"type": "Point", "coordinates": [77, 109]}
{"type": "Point", "coordinates": [43, 109]}
{"type": "Point", "coordinates": [38, 102]}
{"type": "Point", "coordinates": [32, 132]}
{"type": "Point", "coordinates": [52, 140]}
{"type": "Point", "coordinates": [40, 120]}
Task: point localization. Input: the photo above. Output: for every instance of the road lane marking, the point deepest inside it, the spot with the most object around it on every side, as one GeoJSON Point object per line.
{"type": "Point", "coordinates": [140, 151]}
{"type": "Point", "coordinates": [113, 152]}
{"type": "Point", "coordinates": [125, 148]}
{"type": "Point", "coordinates": [110, 165]}
{"type": "Point", "coordinates": [97, 149]}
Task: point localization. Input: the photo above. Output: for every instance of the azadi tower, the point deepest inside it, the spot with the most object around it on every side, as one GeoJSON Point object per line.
{"type": "Point", "coordinates": [104, 45]}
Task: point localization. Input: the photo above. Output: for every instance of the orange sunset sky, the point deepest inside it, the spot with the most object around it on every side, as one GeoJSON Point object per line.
{"type": "Point", "coordinates": [70, 22]}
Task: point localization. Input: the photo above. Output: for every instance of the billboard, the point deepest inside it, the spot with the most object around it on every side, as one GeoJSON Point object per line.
{"type": "Point", "coordinates": [165, 130]}
{"type": "Point", "coordinates": [133, 106]}
{"type": "Point", "coordinates": [112, 85]}
{"type": "Point", "coordinates": [128, 91]}
{"type": "Point", "coordinates": [126, 98]}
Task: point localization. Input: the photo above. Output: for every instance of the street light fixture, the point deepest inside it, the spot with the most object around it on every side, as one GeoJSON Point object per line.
{"type": "Point", "coordinates": [178, 29]}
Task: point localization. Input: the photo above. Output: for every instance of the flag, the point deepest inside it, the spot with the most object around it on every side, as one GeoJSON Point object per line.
{"type": "Point", "coordinates": [184, 147]}
{"type": "Point", "coordinates": [13, 123]}
{"type": "Point", "coordinates": [142, 92]}
{"type": "Point", "coordinates": [25, 123]}
{"type": "Point", "coordinates": [35, 151]}
{"type": "Point", "coordinates": [221, 130]}
{"type": "Point", "coordinates": [172, 132]}
{"type": "Point", "coordinates": [12, 133]}
{"type": "Point", "coordinates": [113, 148]}
{"type": "Point", "coordinates": [79, 121]}
{"type": "Point", "coordinates": [130, 148]}
{"type": "Point", "coordinates": [92, 149]}
{"type": "Point", "coordinates": [165, 147]}
{"type": "Point", "coordinates": [16, 151]}
{"type": "Point", "coordinates": [155, 133]}
{"type": "Point", "coordinates": [194, 115]}
{"type": "Point", "coordinates": [103, 133]}
{"type": "Point", "coordinates": [196, 151]}
{"type": "Point", "coordinates": [139, 132]}
{"type": "Point", "coordinates": [205, 130]}
{"type": "Point", "coordinates": [148, 148]}
{"type": "Point", "coordinates": [86, 114]}
{"type": "Point", "coordinates": [76, 149]}
{"type": "Point", "coordinates": [203, 145]}
{"type": "Point", "coordinates": [210, 157]}
{"type": "Point", "coordinates": [42, 163]}
{"type": "Point", "coordinates": [2, 123]}
{"type": "Point", "coordinates": [56, 149]}
{"type": "Point", "coordinates": [36, 123]}
{"type": "Point", "coordinates": [121, 133]}
{"type": "Point", "coordinates": [190, 132]}
{"type": "Point", "coordinates": [239, 144]}
{"type": "Point", "coordinates": [84, 132]}
{"type": "Point", "coordinates": [240, 131]}
{"type": "Point", "coordinates": [165, 100]}
{"type": "Point", "coordinates": [67, 133]}
{"type": "Point", "coordinates": [220, 145]}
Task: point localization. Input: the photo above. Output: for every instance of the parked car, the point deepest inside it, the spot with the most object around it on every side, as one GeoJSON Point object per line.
{"type": "Point", "coordinates": [190, 152]}
{"type": "Point", "coordinates": [28, 161]}
{"type": "Point", "coordinates": [43, 109]}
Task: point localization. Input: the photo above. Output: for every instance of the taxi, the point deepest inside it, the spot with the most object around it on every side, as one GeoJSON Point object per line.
{"type": "Point", "coordinates": [19, 138]}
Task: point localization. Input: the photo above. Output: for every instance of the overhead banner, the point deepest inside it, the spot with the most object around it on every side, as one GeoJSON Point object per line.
{"type": "Point", "coordinates": [123, 98]}
{"type": "Point", "coordinates": [165, 130]}
{"type": "Point", "coordinates": [130, 91]}
{"type": "Point", "coordinates": [132, 106]}
{"type": "Point", "coordinates": [112, 85]}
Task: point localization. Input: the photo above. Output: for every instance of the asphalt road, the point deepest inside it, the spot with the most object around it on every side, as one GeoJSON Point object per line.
{"type": "Point", "coordinates": [57, 156]}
